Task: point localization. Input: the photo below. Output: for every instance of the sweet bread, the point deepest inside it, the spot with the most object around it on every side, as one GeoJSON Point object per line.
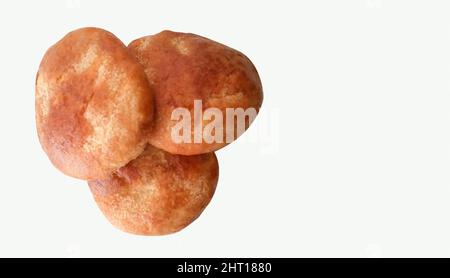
{"type": "Point", "coordinates": [158, 193]}
{"type": "Point", "coordinates": [183, 68]}
{"type": "Point", "coordinates": [93, 104]}
{"type": "Point", "coordinates": [114, 115]}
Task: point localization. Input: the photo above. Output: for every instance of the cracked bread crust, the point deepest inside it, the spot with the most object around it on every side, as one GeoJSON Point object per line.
{"type": "Point", "coordinates": [158, 193]}
{"type": "Point", "coordinates": [93, 104]}
{"type": "Point", "coordinates": [183, 67]}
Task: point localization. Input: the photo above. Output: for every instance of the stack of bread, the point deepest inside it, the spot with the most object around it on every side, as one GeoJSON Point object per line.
{"type": "Point", "coordinates": [104, 113]}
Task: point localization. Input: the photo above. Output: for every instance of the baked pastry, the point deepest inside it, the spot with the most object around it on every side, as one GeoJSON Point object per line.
{"type": "Point", "coordinates": [158, 193]}
{"type": "Point", "coordinates": [182, 68]}
{"type": "Point", "coordinates": [93, 104]}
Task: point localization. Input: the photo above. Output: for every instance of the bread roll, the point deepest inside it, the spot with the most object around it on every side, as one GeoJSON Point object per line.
{"type": "Point", "coordinates": [93, 104]}
{"type": "Point", "coordinates": [158, 193]}
{"type": "Point", "coordinates": [182, 68]}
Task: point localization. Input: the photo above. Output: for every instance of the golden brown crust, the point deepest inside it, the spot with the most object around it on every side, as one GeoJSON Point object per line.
{"type": "Point", "coordinates": [184, 67]}
{"type": "Point", "coordinates": [93, 102]}
{"type": "Point", "coordinates": [158, 193]}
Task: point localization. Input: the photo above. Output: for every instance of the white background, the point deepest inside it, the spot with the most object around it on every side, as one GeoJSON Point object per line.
{"type": "Point", "coordinates": [352, 155]}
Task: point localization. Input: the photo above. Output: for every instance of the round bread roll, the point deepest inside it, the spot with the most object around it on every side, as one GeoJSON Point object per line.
{"type": "Point", "coordinates": [93, 104]}
{"type": "Point", "coordinates": [182, 68]}
{"type": "Point", "coordinates": [158, 193]}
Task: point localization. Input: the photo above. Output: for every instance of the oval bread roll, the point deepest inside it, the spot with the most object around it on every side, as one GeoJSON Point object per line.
{"type": "Point", "coordinates": [182, 68]}
{"type": "Point", "coordinates": [93, 104]}
{"type": "Point", "coordinates": [158, 193]}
